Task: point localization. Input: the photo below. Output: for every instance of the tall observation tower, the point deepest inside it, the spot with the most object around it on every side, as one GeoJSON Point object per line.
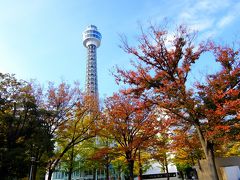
{"type": "Point", "coordinates": [91, 40]}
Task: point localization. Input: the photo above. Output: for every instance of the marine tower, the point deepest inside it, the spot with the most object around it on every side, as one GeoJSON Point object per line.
{"type": "Point", "coordinates": [91, 40]}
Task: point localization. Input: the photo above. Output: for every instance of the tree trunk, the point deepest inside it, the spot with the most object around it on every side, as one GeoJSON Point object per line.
{"type": "Point", "coordinates": [70, 173]}
{"type": "Point", "coordinates": [55, 162]}
{"type": "Point", "coordinates": [119, 173]}
{"type": "Point", "coordinates": [130, 169]}
{"type": "Point", "coordinates": [211, 161]}
{"type": "Point", "coordinates": [140, 173]}
{"type": "Point", "coordinates": [209, 153]}
{"type": "Point", "coordinates": [94, 173]}
{"type": "Point", "coordinates": [199, 165]}
{"type": "Point", "coordinates": [140, 165]}
{"type": "Point", "coordinates": [107, 171]}
{"type": "Point", "coordinates": [181, 175]}
{"type": "Point", "coordinates": [35, 171]}
{"type": "Point", "coordinates": [50, 172]}
{"type": "Point", "coordinates": [166, 165]}
{"type": "Point", "coordinates": [71, 164]}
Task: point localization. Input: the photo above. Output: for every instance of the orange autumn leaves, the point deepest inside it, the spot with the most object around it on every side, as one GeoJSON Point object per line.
{"type": "Point", "coordinates": [129, 121]}
{"type": "Point", "coordinates": [132, 125]}
{"type": "Point", "coordinates": [161, 72]}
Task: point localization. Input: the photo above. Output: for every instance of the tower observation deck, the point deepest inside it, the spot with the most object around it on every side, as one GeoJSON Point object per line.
{"type": "Point", "coordinates": [91, 40]}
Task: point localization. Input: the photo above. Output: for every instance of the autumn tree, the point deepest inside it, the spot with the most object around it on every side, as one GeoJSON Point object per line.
{"type": "Point", "coordinates": [160, 152]}
{"type": "Point", "coordinates": [220, 98]}
{"type": "Point", "coordinates": [33, 121]}
{"type": "Point", "coordinates": [87, 162]}
{"type": "Point", "coordinates": [104, 156]}
{"type": "Point", "coordinates": [160, 147]}
{"type": "Point", "coordinates": [119, 165]}
{"type": "Point", "coordinates": [143, 161]}
{"type": "Point", "coordinates": [104, 153]}
{"type": "Point", "coordinates": [186, 149]}
{"type": "Point", "coordinates": [24, 133]}
{"type": "Point", "coordinates": [161, 77]}
{"type": "Point", "coordinates": [53, 106]}
{"type": "Point", "coordinates": [79, 125]}
{"type": "Point", "coordinates": [131, 124]}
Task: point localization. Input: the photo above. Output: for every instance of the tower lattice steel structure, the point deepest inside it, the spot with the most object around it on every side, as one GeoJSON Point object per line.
{"type": "Point", "coordinates": [91, 40]}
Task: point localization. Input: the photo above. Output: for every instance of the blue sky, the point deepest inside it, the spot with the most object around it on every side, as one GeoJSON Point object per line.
{"type": "Point", "coordinates": [43, 39]}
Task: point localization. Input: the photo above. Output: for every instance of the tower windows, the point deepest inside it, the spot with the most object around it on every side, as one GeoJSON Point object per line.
{"type": "Point", "coordinates": [92, 39]}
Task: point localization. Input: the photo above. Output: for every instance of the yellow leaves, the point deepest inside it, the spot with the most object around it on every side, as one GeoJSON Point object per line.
{"type": "Point", "coordinates": [234, 150]}
{"type": "Point", "coordinates": [20, 140]}
{"type": "Point", "coordinates": [182, 154]}
{"type": "Point", "coordinates": [78, 125]}
{"type": "Point", "coordinates": [182, 157]}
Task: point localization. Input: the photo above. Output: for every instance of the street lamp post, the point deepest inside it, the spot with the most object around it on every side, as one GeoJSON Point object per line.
{"type": "Point", "coordinates": [31, 169]}
{"type": "Point", "coordinates": [140, 165]}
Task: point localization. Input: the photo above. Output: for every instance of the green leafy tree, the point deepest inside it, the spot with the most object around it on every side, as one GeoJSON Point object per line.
{"type": "Point", "coordinates": [22, 129]}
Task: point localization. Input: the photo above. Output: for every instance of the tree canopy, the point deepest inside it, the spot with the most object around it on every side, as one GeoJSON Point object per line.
{"type": "Point", "coordinates": [160, 76]}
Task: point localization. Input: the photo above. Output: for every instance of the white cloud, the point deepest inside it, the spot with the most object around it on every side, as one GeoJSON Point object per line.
{"type": "Point", "coordinates": [202, 24]}
{"type": "Point", "coordinates": [230, 17]}
{"type": "Point", "coordinates": [201, 15]}
{"type": "Point", "coordinates": [210, 6]}
{"type": "Point", "coordinates": [209, 34]}
{"type": "Point", "coordinates": [209, 17]}
{"type": "Point", "coordinates": [226, 20]}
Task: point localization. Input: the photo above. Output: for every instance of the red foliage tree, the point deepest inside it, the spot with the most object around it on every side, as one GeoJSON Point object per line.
{"type": "Point", "coordinates": [161, 76]}
{"type": "Point", "coordinates": [220, 97]}
{"type": "Point", "coordinates": [131, 124]}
